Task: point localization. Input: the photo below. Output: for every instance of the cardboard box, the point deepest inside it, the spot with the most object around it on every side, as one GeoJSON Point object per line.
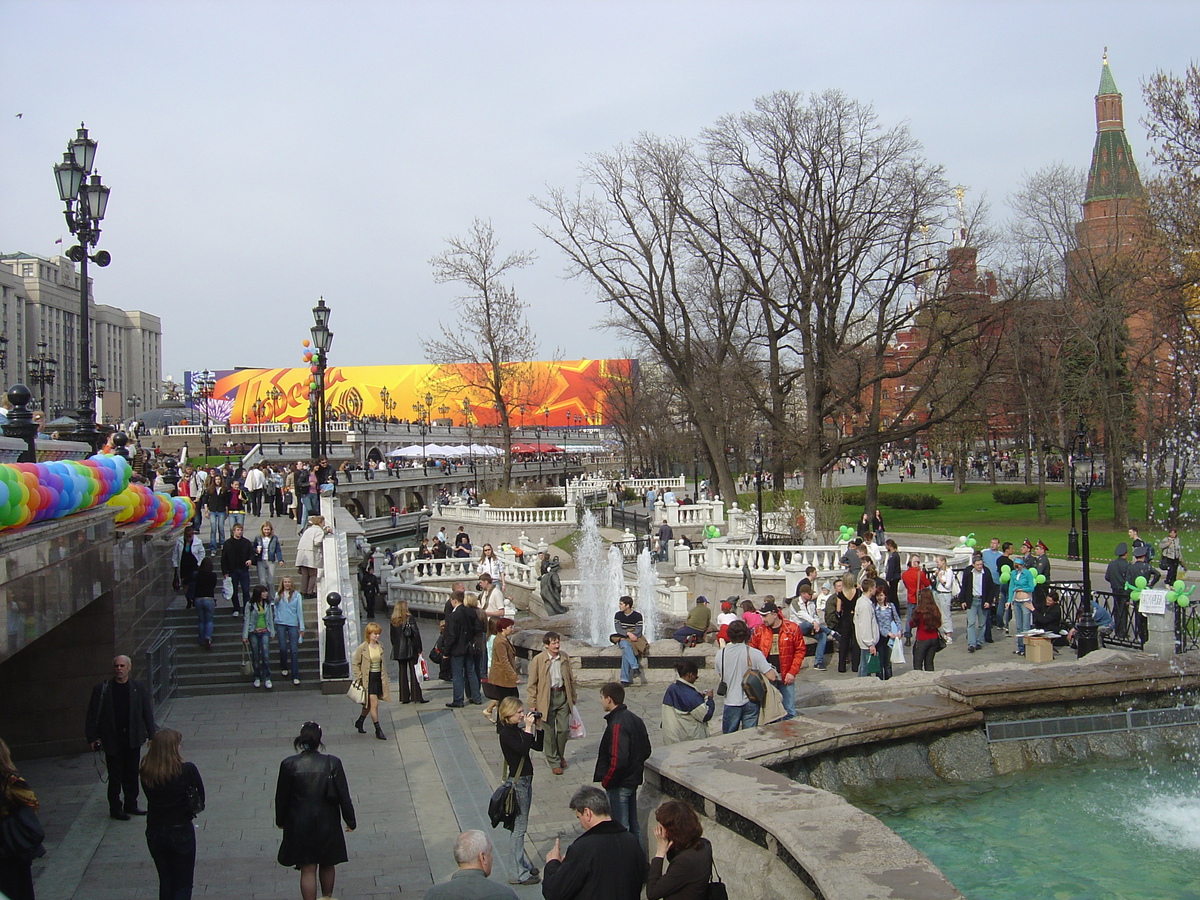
{"type": "Point", "coordinates": [1039, 649]}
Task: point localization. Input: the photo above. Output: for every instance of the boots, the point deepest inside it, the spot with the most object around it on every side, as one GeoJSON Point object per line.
{"type": "Point", "coordinates": [379, 732]}
{"type": "Point", "coordinates": [359, 724]}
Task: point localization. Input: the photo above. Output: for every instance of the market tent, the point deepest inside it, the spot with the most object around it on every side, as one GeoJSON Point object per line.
{"type": "Point", "coordinates": [414, 452]}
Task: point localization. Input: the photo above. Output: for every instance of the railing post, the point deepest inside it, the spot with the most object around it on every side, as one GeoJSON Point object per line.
{"type": "Point", "coordinates": [335, 665]}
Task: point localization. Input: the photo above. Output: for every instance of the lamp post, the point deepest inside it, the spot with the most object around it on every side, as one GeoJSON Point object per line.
{"type": "Point", "coordinates": [258, 408]}
{"type": "Point", "coordinates": [322, 340]}
{"type": "Point", "coordinates": [203, 386]}
{"type": "Point", "coordinates": [86, 200]}
{"type": "Point", "coordinates": [758, 474]}
{"type": "Point", "coordinates": [1073, 535]}
{"type": "Point", "coordinates": [442, 411]}
{"type": "Point", "coordinates": [41, 372]}
{"type": "Point", "coordinates": [1086, 631]}
{"type": "Point", "coordinates": [132, 402]}
{"type": "Point", "coordinates": [423, 410]}
{"type": "Point", "coordinates": [97, 386]}
{"type": "Point", "coordinates": [466, 411]}
{"type": "Point", "coordinates": [389, 405]}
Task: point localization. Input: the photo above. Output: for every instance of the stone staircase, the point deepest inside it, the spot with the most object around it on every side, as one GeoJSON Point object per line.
{"type": "Point", "coordinates": [203, 672]}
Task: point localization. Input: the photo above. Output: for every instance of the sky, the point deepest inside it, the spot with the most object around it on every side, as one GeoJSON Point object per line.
{"type": "Point", "coordinates": [264, 154]}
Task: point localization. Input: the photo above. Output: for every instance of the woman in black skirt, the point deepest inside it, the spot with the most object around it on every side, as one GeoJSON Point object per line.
{"type": "Point", "coordinates": [310, 797]}
{"type": "Point", "coordinates": [367, 667]}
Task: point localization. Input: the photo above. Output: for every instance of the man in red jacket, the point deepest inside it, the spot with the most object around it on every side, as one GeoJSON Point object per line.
{"type": "Point", "coordinates": [782, 643]}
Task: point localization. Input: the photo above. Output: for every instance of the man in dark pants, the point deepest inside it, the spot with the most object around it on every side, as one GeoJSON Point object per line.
{"type": "Point", "coordinates": [120, 719]}
{"type": "Point", "coordinates": [237, 557]}
{"type": "Point", "coordinates": [458, 642]}
{"type": "Point", "coordinates": [605, 861]}
{"type": "Point", "coordinates": [621, 761]}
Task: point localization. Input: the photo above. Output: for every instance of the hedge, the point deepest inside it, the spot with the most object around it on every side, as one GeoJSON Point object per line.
{"type": "Point", "coordinates": [1013, 496]}
{"type": "Point", "coordinates": [894, 501]}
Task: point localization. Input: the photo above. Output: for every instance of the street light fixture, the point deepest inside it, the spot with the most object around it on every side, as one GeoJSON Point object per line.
{"type": "Point", "coordinates": [466, 411]}
{"type": "Point", "coordinates": [42, 369]}
{"type": "Point", "coordinates": [133, 404]}
{"type": "Point", "coordinates": [423, 410]}
{"type": "Point", "coordinates": [203, 386]}
{"type": "Point", "coordinates": [758, 479]}
{"type": "Point", "coordinates": [1073, 535]}
{"type": "Point", "coordinates": [97, 386]}
{"type": "Point", "coordinates": [389, 405]}
{"type": "Point", "coordinates": [322, 340]}
{"type": "Point", "coordinates": [1082, 469]}
{"type": "Point", "coordinates": [86, 201]}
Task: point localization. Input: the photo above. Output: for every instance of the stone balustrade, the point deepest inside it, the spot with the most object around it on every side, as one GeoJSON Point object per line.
{"type": "Point", "coordinates": [691, 515]}
{"type": "Point", "coordinates": [641, 485]}
{"type": "Point", "coordinates": [731, 556]}
{"type": "Point", "coordinates": [505, 516]}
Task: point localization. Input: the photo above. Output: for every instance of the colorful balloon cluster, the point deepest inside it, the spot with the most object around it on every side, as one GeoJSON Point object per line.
{"type": "Point", "coordinates": [309, 356]}
{"type": "Point", "coordinates": [36, 492]}
{"type": "Point", "coordinates": [138, 505]}
{"type": "Point", "coordinates": [1006, 576]}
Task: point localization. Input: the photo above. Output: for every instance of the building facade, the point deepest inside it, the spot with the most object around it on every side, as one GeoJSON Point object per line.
{"type": "Point", "coordinates": [39, 301]}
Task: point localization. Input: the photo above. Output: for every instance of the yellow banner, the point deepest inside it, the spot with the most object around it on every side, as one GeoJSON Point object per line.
{"type": "Point", "coordinates": [552, 393]}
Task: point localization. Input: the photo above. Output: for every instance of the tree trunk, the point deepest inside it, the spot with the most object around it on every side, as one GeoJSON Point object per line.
{"type": "Point", "coordinates": [1115, 458]}
{"type": "Point", "coordinates": [960, 467]}
{"type": "Point", "coordinates": [1042, 518]}
{"type": "Point", "coordinates": [1151, 475]}
{"type": "Point", "coordinates": [871, 491]}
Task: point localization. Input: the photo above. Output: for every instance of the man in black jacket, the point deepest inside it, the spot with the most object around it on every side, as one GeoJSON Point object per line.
{"type": "Point", "coordinates": [237, 556]}
{"type": "Point", "coordinates": [120, 718]}
{"type": "Point", "coordinates": [604, 863]}
{"type": "Point", "coordinates": [458, 642]}
{"type": "Point", "coordinates": [977, 596]}
{"type": "Point", "coordinates": [621, 761]}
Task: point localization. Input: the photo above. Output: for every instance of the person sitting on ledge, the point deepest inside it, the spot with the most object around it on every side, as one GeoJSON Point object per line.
{"type": "Point", "coordinates": [1048, 617]}
{"type": "Point", "coordinates": [697, 624]}
{"type": "Point", "coordinates": [1103, 619]}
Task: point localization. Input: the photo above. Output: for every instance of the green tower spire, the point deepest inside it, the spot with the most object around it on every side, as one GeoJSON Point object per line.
{"type": "Point", "coordinates": [1113, 174]}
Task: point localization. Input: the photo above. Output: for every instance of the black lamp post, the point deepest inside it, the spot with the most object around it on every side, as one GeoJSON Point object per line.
{"type": "Point", "coordinates": [42, 369]}
{"type": "Point", "coordinates": [696, 474]}
{"type": "Point", "coordinates": [86, 199]}
{"type": "Point", "coordinates": [203, 386]}
{"type": "Point", "coordinates": [322, 340]}
{"type": "Point", "coordinates": [389, 405]}
{"type": "Point", "coordinates": [1086, 631]}
{"type": "Point", "coordinates": [466, 411]}
{"type": "Point", "coordinates": [97, 385]}
{"type": "Point", "coordinates": [133, 404]}
{"type": "Point", "coordinates": [423, 410]}
{"type": "Point", "coordinates": [442, 411]}
{"type": "Point", "coordinates": [758, 474]}
{"type": "Point", "coordinates": [258, 408]}
{"type": "Point", "coordinates": [1073, 535]}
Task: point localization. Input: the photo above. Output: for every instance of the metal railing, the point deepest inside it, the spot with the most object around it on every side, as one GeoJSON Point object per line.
{"type": "Point", "coordinates": [629, 520]}
{"type": "Point", "coordinates": [1187, 628]}
{"type": "Point", "coordinates": [1128, 630]}
{"type": "Point", "coordinates": [160, 674]}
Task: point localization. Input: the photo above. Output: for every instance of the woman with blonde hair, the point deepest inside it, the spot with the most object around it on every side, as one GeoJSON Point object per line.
{"type": "Point", "coordinates": [308, 554]}
{"type": "Point", "coordinates": [267, 553]}
{"type": "Point", "coordinates": [406, 648]}
{"type": "Point", "coordinates": [174, 796]}
{"type": "Point", "coordinates": [519, 733]}
{"type": "Point", "coordinates": [16, 873]}
{"type": "Point", "coordinates": [366, 666]}
{"type": "Point", "coordinates": [289, 626]}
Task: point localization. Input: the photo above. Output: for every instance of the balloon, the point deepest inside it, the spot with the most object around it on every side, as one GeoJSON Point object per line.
{"type": "Point", "coordinates": [962, 539]}
{"type": "Point", "coordinates": [1140, 582]}
{"type": "Point", "coordinates": [1041, 579]}
{"type": "Point", "coordinates": [1005, 575]}
{"type": "Point", "coordinates": [844, 534]}
{"type": "Point", "coordinates": [304, 343]}
{"type": "Point", "coordinates": [1179, 585]}
{"type": "Point", "coordinates": [1183, 601]}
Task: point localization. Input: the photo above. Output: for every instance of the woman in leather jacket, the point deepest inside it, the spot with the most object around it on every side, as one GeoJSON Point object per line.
{"type": "Point", "coordinates": [312, 798]}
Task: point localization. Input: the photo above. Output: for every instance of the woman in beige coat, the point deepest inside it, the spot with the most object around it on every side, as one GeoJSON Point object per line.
{"type": "Point", "coordinates": [367, 666]}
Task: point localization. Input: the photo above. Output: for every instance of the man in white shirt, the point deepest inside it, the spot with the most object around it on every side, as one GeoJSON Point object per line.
{"type": "Point", "coordinates": [806, 613]}
{"type": "Point", "coordinates": [491, 598]}
{"type": "Point", "coordinates": [733, 661]}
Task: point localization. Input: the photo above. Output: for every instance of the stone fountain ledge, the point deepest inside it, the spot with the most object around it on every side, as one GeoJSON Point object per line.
{"type": "Point", "coordinates": [837, 851]}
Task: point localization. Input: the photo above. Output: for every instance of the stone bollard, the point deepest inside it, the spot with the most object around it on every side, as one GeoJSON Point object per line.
{"type": "Point", "coordinates": [335, 666]}
{"type": "Point", "coordinates": [679, 598]}
{"type": "Point", "coordinates": [1160, 637]}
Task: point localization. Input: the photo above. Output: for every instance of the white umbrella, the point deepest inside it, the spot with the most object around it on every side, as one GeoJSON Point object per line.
{"type": "Point", "coordinates": [413, 452]}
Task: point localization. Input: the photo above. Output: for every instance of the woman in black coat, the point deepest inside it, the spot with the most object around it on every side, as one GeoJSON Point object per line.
{"type": "Point", "coordinates": [174, 795]}
{"type": "Point", "coordinates": [310, 796]}
{"type": "Point", "coordinates": [679, 841]}
{"type": "Point", "coordinates": [406, 647]}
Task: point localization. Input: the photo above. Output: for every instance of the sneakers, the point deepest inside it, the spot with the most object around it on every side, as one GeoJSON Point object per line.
{"type": "Point", "coordinates": [257, 683]}
{"type": "Point", "coordinates": [269, 685]}
{"type": "Point", "coordinates": [236, 613]}
{"type": "Point", "coordinates": [295, 681]}
{"type": "Point", "coordinates": [820, 666]}
{"type": "Point", "coordinates": [531, 878]}
{"type": "Point", "coordinates": [286, 672]}
{"type": "Point", "coordinates": [970, 649]}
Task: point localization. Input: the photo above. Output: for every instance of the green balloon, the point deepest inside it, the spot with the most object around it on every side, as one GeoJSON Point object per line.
{"type": "Point", "coordinates": [1004, 569]}
{"type": "Point", "coordinates": [1140, 581]}
{"type": "Point", "coordinates": [1041, 579]}
{"type": "Point", "coordinates": [1005, 575]}
{"type": "Point", "coordinates": [1135, 596]}
{"type": "Point", "coordinates": [1182, 601]}
{"type": "Point", "coordinates": [1179, 585]}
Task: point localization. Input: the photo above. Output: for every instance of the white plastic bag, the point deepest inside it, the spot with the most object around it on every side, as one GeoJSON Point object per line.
{"type": "Point", "coordinates": [575, 727]}
{"type": "Point", "coordinates": [227, 587]}
{"type": "Point", "coordinates": [897, 651]}
{"type": "Point", "coordinates": [419, 667]}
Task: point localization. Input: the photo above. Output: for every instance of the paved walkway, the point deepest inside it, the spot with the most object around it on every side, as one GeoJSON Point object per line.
{"type": "Point", "coordinates": [413, 794]}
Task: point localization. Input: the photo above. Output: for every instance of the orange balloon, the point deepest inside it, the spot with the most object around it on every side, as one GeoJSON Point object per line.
{"type": "Point", "coordinates": [304, 343]}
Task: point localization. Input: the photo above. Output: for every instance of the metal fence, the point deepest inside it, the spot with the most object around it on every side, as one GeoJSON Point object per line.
{"type": "Point", "coordinates": [1129, 628]}
{"type": "Point", "coordinates": [160, 674]}
{"type": "Point", "coordinates": [635, 522]}
{"type": "Point", "coordinates": [1187, 628]}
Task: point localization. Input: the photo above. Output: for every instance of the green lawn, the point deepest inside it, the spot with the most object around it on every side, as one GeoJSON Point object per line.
{"type": "Point", "coordinates": [974, 510]}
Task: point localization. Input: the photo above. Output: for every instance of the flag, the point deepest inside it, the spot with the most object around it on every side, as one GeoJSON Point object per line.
{"type": "Point", "coordinates": [59, 241]}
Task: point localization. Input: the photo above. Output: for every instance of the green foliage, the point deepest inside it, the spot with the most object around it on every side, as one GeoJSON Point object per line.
{"type": "Point", "coordinates": [522, 499]}
{"type": "Point", "coordinates": [893, 501]}
{"type": "Point", "coordinates": [854, 498]}
{"type": "Point", "coordinates": [546, 501]}
{"type": "Point", "coordinates": [1013, 496]}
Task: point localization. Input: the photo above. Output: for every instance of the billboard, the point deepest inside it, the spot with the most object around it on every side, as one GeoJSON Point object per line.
{"type": "Point", "coordinates": [563, 393]}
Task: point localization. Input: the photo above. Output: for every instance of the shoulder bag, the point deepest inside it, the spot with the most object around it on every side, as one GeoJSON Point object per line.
{"type": "Point", "coordinates": [716, 889]}
{"type": "Point", "coordinates": [21, 832]}
{"type": "Point", "coordinates": [502, 807]}
{"type": "Point", "coordinates": [722, 686]}
{"type": "Point", "coordinates": [247, 665]}
{"type": "Point", "coordinates": [195, 802]}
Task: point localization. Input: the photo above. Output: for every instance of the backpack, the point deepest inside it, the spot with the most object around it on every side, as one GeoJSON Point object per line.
{"type": "Point", "coordinates": [754, 686]}
{"type": "Point", "coordinates": [831, 615]}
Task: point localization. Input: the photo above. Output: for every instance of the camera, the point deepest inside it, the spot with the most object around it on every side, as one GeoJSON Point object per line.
{"type": "Point", "coordinates": [537, 715]}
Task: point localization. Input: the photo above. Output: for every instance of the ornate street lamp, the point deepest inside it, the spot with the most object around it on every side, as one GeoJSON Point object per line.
{"type": "Point", "coordinates": [389, 405]}
{"type": "Point", "coordinates": [1083, 467]}
{"type": "Point", "coordinates": [1073, 535]}
{"type": "Point", "coordinates": [423, 411]}
{"type": "Point", "coordinates": [41, 371]}
{"type": "Point", "coordinates": [133, 404]}
{"type": "Point", "coordinates": [442, 410]}
{"type": "Point", "coordinates": [758, 479]}
{"type": "Point", "coordinates": [86, 200]}
{"type": "Point", "coordinates": [203, 386]}
{"type": "Point", "coordinates": [466, 411]}
{"type": "Point", "coordinates": [322, 340]}
{"type": "Point", "coordinates": [97, 385]}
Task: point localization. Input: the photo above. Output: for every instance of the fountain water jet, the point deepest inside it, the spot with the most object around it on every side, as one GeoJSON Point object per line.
{"type": "Point", "coordinates": [601, 583]}
{"type": "Point", "coordinates": [647, 582]}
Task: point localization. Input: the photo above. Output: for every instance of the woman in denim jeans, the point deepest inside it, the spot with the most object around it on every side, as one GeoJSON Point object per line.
{"type": "Point", "coordinates": [216, 500]}
{"type": "Point", "coordinates": [206, 603]}
{"type": "Point", "coordinates": [267, 554]}
{"type": "Point", "coordinates": [257, 628]}
{"type": "Point", "coordinates": [518, 735]}
{"type": "Point", "coordinates": [237, 503]}
{"type": "Point", "coordinates": [289, 627]}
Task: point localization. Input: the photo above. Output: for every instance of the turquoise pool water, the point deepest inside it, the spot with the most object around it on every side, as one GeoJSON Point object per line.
{"type": "Point", "coordinates": [1121, 831]}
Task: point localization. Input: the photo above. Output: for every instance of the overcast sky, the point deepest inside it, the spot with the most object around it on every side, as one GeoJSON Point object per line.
{"type": "Point", "coordinates": [262, 154]}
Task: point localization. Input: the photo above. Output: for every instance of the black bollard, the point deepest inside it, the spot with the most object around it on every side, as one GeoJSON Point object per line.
{"type": "Point", "coordinates": [336, 665]}
{"type": "Point", "coordinates": [120, 442]}
{"type": "Point", "coordinates": [20, 422]}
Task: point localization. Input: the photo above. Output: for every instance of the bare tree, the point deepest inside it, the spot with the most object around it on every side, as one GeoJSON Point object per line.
{"type": "Point", "coordinates": [489, 350]}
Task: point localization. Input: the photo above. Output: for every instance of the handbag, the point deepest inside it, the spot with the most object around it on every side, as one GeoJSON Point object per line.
{"type": "Point", "coordinates": [357, 692]}
{"type": "Point", "coordinates": [503, 807]}
{"type": "Point", "coordinates": [716, 889]}
{"type": "Point", "coordinates": [247, 665]}
{"type": "Point", "coordinates": [722, 687]}
{"type": "Point", "coordinates": [873, 664]}
{"type": "Point", "coordinates": [21, 834]}
{"type": "Point", "coordinates": [941, 644]}
{"type": "Point", "coordinates": [195, 800]}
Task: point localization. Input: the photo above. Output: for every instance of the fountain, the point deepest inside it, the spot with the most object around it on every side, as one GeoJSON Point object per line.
{"type": "Point", "coordinates": [647, 582]}
{"type": "Point", "coordinates": [601, 583]}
